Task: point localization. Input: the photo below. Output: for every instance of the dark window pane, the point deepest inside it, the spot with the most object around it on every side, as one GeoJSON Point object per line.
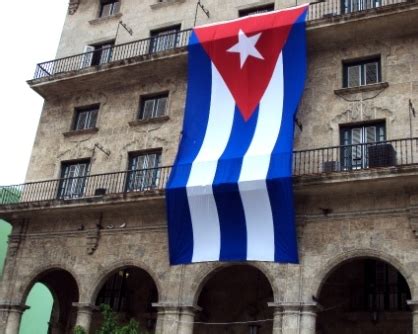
{"type": "Point", "coordinates": [73, 179]}
{"type": "Point", "coordinates": [256, 10]}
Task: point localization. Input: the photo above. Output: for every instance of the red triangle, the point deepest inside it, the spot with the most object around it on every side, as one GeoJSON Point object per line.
{"type": "Point", "coordinates": [248, 84]}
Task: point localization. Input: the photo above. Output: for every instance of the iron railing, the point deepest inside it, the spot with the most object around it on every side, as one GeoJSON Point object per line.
{"type": "Point", "coordinates": [147, 46]}
{"type": "Point", "coordinates": [337, 159]}
{"type": "Point", "coordinates": [170, 41]}
{"type": "Point", "coordinates": [137, 181]}
{"type": "Point", "coordinates": [388, 153]}
{"type": "Point", "coordinates": [331, 8]}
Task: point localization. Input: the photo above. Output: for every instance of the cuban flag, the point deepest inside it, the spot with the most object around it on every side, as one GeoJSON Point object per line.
{"type": "Point", "coordinates": [230, 197]}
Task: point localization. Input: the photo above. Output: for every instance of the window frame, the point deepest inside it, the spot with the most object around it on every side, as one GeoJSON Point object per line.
{"type": "Point", "coordinates": [362, 63]}
{"type": "Point", "coordinates": [153, 97]}
{"type": "Point", "coordinates": [114, 8]}
{"type": "Point", "coordinates": [158, 36]}
{"type": "Point", "coordinates": [143, 179]}
{"type": "Point", "coordinates": [90, 109]}
{"type": "Point", "coordinates": [256, 10]}
{"type": "Point", "coordinates": [68, 183]}
{"type": "Point", "coordinates": [355, 155]}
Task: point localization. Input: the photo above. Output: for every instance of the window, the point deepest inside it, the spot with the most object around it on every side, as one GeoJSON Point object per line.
{"type": "Point", "coordinates": [85, 118]}
{"type": "Point", "coordinates": [153, 107]}
{"type": "Point", "coordinates": [357, 143]}
{"type": "Point", "coordinates": [109, 7]}
{"type": "Point", "coordinates": [256, 10]}
{"type": "Point", "coordinates": [144, 173]}
{"type": "Point", "coordinates": [164, 39]}
{"type": "Point", "coordinates": [383, 289]}
{"type": "Point", "coordinates": [97, 54]}
{"type": "Point", "coordinates": [114, 292]}
{"type": "Point", "coordinates": [350, 6]}
{"type": "Point", "coordinates": [361, 73]}
{"type": "Point", "coordinates": [73, 179]}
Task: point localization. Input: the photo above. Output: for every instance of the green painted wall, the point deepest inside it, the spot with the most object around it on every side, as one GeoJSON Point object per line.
{"type": "Point", "coordinates": [35, 320]}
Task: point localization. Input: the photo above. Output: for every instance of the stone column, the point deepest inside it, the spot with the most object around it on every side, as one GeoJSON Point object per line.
{"type": "Point", "coordinates": [84, 315]}
{"type": "Point", "coordinates": [187, 319]}
{"type": "Point", "coordinates": [277, 316]}
{"type": "Point", "coordinates": [308, 318]}
{"type": "Point", "coordinates": [168, 318]}
{"type": "Point", "coordinates": [413, 304]}
{"type": "Point", "coordinates": [14, 315]}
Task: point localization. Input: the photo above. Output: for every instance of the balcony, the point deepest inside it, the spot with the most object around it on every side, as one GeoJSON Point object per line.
{"type": "Point", "coordinates": [351, 162]}
{"type": "Point", "coordinates": [143, 49]}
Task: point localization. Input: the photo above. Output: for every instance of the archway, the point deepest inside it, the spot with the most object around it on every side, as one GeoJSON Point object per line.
{"type": "Point", "coordinates": [37, 318]}
{"type": "Point", "coordinates": [364, 296]}
{"type": "Point", "coordinates": [64, 290]}
{"type": "Point", "coordinates": [130, 292]}
{"type": "Point", "coordinates": [237, 295]}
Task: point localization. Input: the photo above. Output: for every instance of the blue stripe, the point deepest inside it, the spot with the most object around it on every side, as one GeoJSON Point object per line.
{"type": "Point", "coordinates": [194, 129]}
{"type": "Point", "coordinates": [279, 179]}
{"type": "Point", "coordinates": [226, 192]}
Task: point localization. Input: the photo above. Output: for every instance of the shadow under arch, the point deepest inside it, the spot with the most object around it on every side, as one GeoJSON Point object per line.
{"type": "Point", "coordinates": [336, 262]}
{"type": "Point", "coordinates": [207, 272]}
{"type": "Point", "coordinates": [364, 293]}
{"type": "Point", "coordinates": [106, 272]}
{"type": "Point", "coordinates": [130, 290]}
{"type": "Point", "coordinates": [65, 291]}
{"type": "Point", "coordinates": [232, 297]}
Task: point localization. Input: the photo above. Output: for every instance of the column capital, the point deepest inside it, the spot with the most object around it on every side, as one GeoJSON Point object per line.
{"type": "Point", "coordinates": [170, 306]}
{"type": "Point", "coordinates": [294, 306]}
{"type": "Point", "coordinates": [18, 308]}
{"type": "Point", "coordinates": [85, 307]}
{"type": "Point", "coordinates": [413, 304]}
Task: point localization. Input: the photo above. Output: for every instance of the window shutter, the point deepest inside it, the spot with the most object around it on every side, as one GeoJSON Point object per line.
{"type": "Point", "coordinates": [106, 53]}
{"type": "Point", "coordinates": [353, 76]}
{"type": "Point", "coordinates": [148, 109]}
{"type": "Point", "coordinates": [81, 120]}
{"type": "Point", "coordinates": [161, 106]}
{"type": "Point", "coordinates": [87, 56]}
{"type": "Point", "coordinates": [116, 7]}
{"type": "Point", "coordinates": [371, 73]}
{"type": "Point", "coordinates": [371, 134]}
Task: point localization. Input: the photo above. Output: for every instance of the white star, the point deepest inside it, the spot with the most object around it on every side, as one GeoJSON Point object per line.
{"type": "Point", "coordinates": [246, 47]}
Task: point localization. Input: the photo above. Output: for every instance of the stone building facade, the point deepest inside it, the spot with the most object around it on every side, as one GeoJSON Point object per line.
{"type": "Point", "coordinates": [90, 222]}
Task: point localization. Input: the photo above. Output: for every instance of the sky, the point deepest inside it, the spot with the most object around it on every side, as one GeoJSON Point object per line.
{"type": "Point", "coordinates": [30, 34]}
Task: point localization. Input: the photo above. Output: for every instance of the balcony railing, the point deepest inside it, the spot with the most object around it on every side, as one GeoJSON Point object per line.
{"type": "Point", "coordinates": [170, 41]}
{"type": "Point", "coordinates": [331, 8]}
{"type": "Point", "coordinates": [347, 158]}
{"type": "Point", "coordinates": [337, 159]}
{"type": "Point", "coordinates": [147, 46]}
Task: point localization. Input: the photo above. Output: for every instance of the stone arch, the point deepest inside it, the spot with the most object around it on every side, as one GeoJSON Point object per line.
{"type": "Point", "coordinates": [208, 271]}
{"type": "Point", "coordinates": [38, 272]}
{"type": "Point", "coordinates": [108, 270]}
{"type": "Point", "coordinates": [63, 285]}
{"type": "Point", "coordinates": [334, 263]}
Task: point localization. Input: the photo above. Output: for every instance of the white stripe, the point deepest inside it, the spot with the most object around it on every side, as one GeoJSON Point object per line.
{"type": "Point", "coordinates": [203, 211]}
{"type": "Point", "coordinates": [255, 165]}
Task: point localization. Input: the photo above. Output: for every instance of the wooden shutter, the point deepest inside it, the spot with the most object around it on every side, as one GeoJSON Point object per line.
{"type": "Point", "coordinates": [160, 107]}
{"type": "Point", "coordinates": [148, 109]}
{"type": "Point", "coordinates": [353, 76]}
{"type": "Point", "coordinates": [371, 135]}
{"type": "Point", "coordinates": [87, 56]}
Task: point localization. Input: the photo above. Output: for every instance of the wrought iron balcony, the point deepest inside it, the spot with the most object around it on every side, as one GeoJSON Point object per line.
{"type": "Point", "coordinates": [321, 161]}
{"type": "Point", "coordinates": [171, 41]}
